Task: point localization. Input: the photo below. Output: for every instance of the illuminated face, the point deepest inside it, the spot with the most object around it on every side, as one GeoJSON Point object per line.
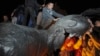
{"type": "Point", "coordinates": [97, 23]}
{"type": "Point", "coordinates": [50, 6]}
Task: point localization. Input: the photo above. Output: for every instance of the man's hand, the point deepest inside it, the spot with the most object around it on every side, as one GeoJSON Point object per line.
{"type": "Point", "coordinates": [55, 19]}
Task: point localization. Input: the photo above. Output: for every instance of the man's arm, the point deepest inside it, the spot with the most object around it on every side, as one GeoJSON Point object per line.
{"type": "Point", "coordinates": [39, 18]}
{"type": "Point", "coordinates": [57, 14]}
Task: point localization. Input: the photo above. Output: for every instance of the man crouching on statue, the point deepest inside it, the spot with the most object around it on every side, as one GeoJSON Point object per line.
{"type": "Point", "coordinates": [73, 43]}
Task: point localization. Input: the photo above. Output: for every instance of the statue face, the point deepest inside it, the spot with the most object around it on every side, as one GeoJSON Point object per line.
{"type": "Point", "coordinates": [74, 24]}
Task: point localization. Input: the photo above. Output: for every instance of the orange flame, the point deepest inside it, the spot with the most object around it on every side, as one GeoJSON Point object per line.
{"type": "Point", "coordinates": [70, 44]}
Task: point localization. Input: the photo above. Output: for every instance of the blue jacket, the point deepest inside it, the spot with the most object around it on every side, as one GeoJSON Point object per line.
{"type": "Point", "coordinates": [50, 15]}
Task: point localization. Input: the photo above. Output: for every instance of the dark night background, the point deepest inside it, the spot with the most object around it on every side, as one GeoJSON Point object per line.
{"type": "Point", "coordinates": [71, 6]}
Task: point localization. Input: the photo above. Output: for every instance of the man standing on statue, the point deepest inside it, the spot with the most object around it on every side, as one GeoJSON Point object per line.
{"type": "Point", "coordinates": [31, 8]}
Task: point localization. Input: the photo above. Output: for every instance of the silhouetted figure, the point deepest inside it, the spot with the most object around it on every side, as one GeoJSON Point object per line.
{"type": "Point", "coordinates": [18, 15]}
{"type": "Point", "coordinates": [31, 8]}
{"type": "Point", "coordinates": [5, 19]}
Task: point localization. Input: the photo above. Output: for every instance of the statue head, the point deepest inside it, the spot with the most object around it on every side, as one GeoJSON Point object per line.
{"type": "Point", "coordinates": [76, 25]}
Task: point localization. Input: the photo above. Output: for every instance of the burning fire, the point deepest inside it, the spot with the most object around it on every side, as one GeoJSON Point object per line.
{"type": "Point", "coordinates": [69, 45]}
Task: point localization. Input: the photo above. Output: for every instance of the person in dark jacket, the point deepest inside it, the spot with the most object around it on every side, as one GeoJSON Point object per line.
{"type": "Point", "coordinates": [31, 8]}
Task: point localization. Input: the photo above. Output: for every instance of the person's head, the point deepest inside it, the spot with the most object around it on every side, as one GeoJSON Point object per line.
{"type": "Point", "coordinates": [50, 5]}
{"type": "Point", "coordinates": [97, 23]}
{"type": "Point", "coordinates": [5, 18]}
{"type": "Point", "coordinates": [43, 5]}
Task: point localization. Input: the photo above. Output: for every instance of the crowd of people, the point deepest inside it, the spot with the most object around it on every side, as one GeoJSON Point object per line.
{"type": "Point", "coordinates": [37, 16]}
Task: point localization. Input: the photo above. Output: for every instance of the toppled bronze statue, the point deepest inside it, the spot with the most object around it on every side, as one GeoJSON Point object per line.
{"type": "Point", "coordinates": [17, 40]}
